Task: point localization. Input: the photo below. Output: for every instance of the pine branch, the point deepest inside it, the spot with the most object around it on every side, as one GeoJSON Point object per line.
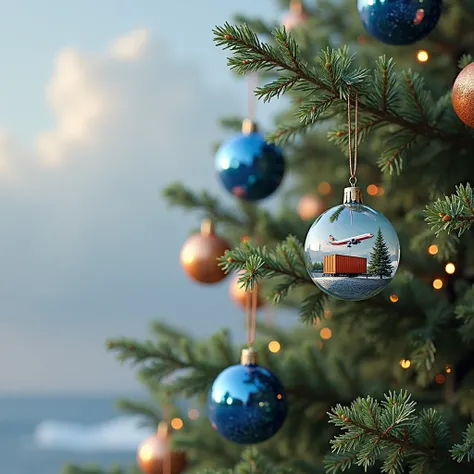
{"type": "Point", "coordinates": [390, 431]}
{"type": "Point", "coordinates": [151, 416]}
{"type": "Point", "coordinates": [420, 102]}
{"type": "Point", "coordinates": [284, 133]}
{"type": "Point", "coordinates": [465, 314]}
{"type": "Point", "coordinates": [177, 195]}
{"type": "Point", "coordinates": [252, 220]}
{"type": "Point", "coordinates": [285, 262]}
{"type": "Point", "coordinates": [252, 463]}
{"type": "Point", "coordinates": [197, 363]}
{"type": "Point", "coordinates": [396, 151]}
{"type": "Point", "coordinates": [332, 76]}
{"type": "Point", "coordinates": [453, 213]}
{"type": "Point", "coordinates": [465, 451]}
{"type": "Point", "coordinates": [465, 60]}
{"type": "Point", "coordinates": [72, 469]}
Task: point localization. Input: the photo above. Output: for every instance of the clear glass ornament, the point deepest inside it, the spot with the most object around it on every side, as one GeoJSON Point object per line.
{"type": "Point", "coordinates": [352, 251]}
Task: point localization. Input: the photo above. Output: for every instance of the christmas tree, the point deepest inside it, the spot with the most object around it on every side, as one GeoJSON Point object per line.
{"type": "Point", "coordinates": [382, 385]}
{"type": "Point", "coordinates": [380, 262]}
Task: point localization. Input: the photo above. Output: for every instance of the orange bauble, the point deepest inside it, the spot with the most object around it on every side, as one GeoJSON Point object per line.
{"type": "Point", "coordinates": [239, 296]}
{"type": "Point", "coordinates": [200, 253]}
{"type": "Point", "coordinates": [155, 457]}
{"type": "Point", "coordinates": [295, 16]}
{"type": "Point", "coordinates": [310, 207]}
{"type": "Point", "coordinates": [463, 95]}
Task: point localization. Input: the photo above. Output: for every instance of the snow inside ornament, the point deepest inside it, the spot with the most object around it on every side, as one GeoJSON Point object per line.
{"type": "Point", "coordinates": [352, 251]}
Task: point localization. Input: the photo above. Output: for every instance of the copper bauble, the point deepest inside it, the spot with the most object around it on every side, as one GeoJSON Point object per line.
{"type": "Point", "coordinates": [239, 296]}
{"type": "Point", "coordinates": [463, 95]}
{"type": "Point", "coordinates": [295, 16]}
{"type": "Point", "coordinates": [310, 207]}
{"type": "Point", "coordinates": [154, 455]}
{"type": "Point", "coordinates": [200, 253]}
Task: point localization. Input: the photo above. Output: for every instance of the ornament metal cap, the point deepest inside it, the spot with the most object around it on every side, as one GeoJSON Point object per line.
{"type": "Point", "coordinates": [207, 227]}
{"type": "Point", "coordinates": [248, 356]}
{"type": "Point", "coordinates": [162, 430]}
{"type": "Point", "coordinates": [248, 127]}
{"type": "Point", "coordinates": [353, 195]}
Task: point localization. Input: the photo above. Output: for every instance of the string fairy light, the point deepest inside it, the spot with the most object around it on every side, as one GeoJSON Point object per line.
{"type": "Point", "coordinates": [177, 423]}
{"type": "Point", "coordinates": [433, 249]}
{"type": "Point", "coordinates": [324, 188]}
{"type": "Point", "coordinates": [325, 333]}
{"type": "Point", "coordinates": [405, 363]}
{"type": "Point", "coordinates": [422, 56]}
{"type": "Point", "coordinates": [394, 298]}
{"type": "Point", "coordinates": [372, 190]}
{"type": "Point", "coordinates": [274, 346]}
{"type": "Point", "coordinates": [450, 268]}
{"type": "Point", "coordinates": [440, 379]}
{"type": "Point", "coordinates": [438, 284]}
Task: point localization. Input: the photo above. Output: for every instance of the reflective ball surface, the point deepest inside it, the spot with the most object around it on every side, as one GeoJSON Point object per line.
{"type": "Point", "coordinates": [399, 22]}
{"type": "Point", "coordinates": [153, 456]}
{"type": "Point", "coordinates": [247, 404]}
{"type": "Point", "coordinates": [199, 258]}
{"type": "Point", "coordinates": [352, 252]}
{"type": "Point", "coordinates": [250, 168]}
{"type": "Point", "coordinates": [463, 95]}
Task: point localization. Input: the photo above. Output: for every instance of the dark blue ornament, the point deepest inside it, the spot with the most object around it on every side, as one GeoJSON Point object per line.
{"type": "Point", "coordinates": [399, 22]}
{"type": "Point", "coordinates": [247, 404]}
{"type": "Point", "coordinates": [249, 167]}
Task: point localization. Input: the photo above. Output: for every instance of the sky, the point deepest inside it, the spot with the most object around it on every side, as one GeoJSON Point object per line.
{"type": "Point", "coordinates": [351, 224]}
{"type": "Point", "coordinates": [102, 104]}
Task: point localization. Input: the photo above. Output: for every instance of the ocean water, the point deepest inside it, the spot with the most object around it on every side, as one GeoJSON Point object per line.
{"type": "Point", "coordinates": [40, 434]}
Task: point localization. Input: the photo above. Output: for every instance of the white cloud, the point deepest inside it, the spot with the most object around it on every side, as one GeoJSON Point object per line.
{"type": "Point", "coordinates": [131, 46]}
{"type": "Point", "coordinates": [78, 96]}
{"type": "Point", "coordinates": [77, 102]}
{"type": "Point", "coordinates": [89, 240]}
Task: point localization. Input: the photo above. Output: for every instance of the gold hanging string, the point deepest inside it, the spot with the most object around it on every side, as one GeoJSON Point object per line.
{"type": "Point", "coordinates": [353, 149]}
{"type": "Point", "coordinates": [251, 299]}
{"type": "Point", "coordinates": [167, 456]}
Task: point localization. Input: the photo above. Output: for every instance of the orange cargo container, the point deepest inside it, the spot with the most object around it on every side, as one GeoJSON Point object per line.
{"type": "Point", "coordinates": [344, 264]}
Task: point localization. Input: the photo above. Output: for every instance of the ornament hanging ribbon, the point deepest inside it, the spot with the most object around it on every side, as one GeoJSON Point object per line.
{"type": "Point", "coordinates": [252, 296]}
{"type": "Point", "coordinates": [167, 456]}
{"type": "Point", "coordinates": [251, 314]}
{"type": "Point", "coordinates": [353, 149]}
{"type": "Point", "coordinates": [251, 304]}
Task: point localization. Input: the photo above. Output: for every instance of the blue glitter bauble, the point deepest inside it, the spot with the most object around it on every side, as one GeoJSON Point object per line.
{"type": "Point", "coordinates": [399, 22]}
{"type": "Point", "coordinates": [249, 167]}
{"type": "Point", "coordinates": [247, 404]}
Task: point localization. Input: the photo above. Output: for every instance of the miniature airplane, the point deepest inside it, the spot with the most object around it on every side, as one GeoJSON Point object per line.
{"type": "Point", "coordinates": [350, 241]}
